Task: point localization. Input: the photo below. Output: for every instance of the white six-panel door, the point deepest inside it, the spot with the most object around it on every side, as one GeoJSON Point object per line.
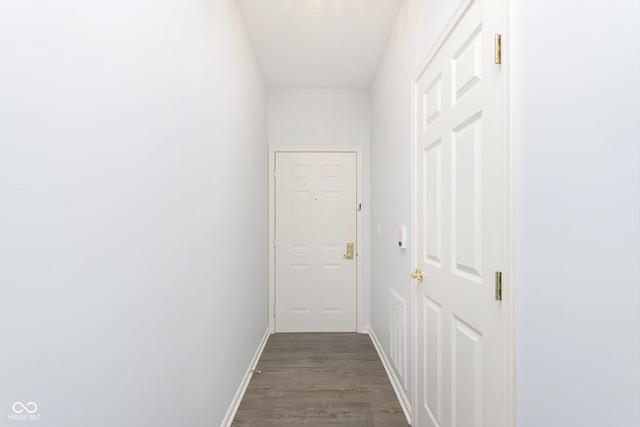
{"type": "Point", "coordinates": [315, 217]}
{"type": "Point", "coordinates": [461, 227]}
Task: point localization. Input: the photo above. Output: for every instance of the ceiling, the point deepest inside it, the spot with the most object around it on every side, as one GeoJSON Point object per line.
{"type": "Point", "coordinates": [319, 44]}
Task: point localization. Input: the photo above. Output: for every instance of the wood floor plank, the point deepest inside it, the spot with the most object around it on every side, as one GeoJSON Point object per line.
{"type": "Point", "coordinates": [320, 379]}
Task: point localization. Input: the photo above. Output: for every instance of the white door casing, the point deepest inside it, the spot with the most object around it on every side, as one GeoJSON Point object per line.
{"type": "Point", "coordinates": [461, 223]}
{"type": "Point", "coordinates": [315, 216]}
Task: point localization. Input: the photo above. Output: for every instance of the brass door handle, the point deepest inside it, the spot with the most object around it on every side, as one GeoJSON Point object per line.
{"type": "Point", "coordinates": [349, 254]}
{"type": "Point", "coordinates": [419, 274]}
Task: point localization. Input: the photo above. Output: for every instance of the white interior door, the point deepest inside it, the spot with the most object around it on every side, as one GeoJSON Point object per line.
{"type": "Point", "coordinates": [462, 227]}
{"type": "Point", "coordinates": [315, 216]}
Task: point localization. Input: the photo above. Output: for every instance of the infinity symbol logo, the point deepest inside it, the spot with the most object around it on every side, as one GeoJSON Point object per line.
{"type": "Point", "coordinates": [22, 407]}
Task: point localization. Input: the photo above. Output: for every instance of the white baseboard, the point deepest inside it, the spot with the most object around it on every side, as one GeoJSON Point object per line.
{"type": "Point", "coordinates": [231, 413]}
{"type": "Point", "coordinates": [395, 381]}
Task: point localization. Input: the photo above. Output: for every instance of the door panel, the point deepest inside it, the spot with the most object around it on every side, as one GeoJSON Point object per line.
{"type": "Point", "coordinates": [432, 380]}
{"type": "Point", "coordinates": [432, 209]}
{"type": "Point", "coordinates": [315, 219]}
{"type": "Point", "coordinates": [461, 227]}
{"type": "Point", "coordinates": [466, 375]}
{"type": "Point", "coordinates": [466, 172]}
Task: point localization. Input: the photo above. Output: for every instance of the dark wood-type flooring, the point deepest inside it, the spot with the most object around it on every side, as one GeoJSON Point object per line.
{"type": "Point", "coordinates": [320, 379]}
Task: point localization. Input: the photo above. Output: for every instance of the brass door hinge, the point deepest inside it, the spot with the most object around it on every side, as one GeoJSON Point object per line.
{"type": "Point", "coordinates": [498, 286]}
{"type": "Point", "coordinates": [498, 49]}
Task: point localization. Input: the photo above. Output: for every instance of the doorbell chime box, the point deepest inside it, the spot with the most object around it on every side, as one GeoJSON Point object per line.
{"type": "Point", "coordinates": [402, 237]}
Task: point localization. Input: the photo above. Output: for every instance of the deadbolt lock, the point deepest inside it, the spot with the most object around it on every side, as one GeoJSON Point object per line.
{"type": "Point", "coordinates": [349, 254]}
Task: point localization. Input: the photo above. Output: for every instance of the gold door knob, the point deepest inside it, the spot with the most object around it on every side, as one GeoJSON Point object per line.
{"type": "Point", "coordinates": [419, 274]}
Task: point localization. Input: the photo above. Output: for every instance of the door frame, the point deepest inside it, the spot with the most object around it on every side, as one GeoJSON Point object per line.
{"type": "Point", "coordinates": [508, 282]}
{"type": "Point", "coordinates": [273, 150]}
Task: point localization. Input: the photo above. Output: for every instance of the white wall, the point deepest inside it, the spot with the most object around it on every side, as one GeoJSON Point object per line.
{"type": "Point", "coordinates": [321, 117]}
{"type": "Point", "coordinates": [576, 138]}
{"type": "Point", "coordinates": [133, 276]}
{"type": "Point", "coordinates": [576, 106]}
{"type": "Point", "coordinates": [419, 24]}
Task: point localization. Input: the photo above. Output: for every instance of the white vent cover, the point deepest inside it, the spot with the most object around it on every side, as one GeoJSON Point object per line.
{"type": "Point", "coordinates": [397, 334]}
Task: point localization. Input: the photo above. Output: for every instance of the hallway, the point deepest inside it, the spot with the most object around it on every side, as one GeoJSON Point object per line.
{"type": "Point", "coordinates": [135, 229]}
{"type": "Point", "coordinates": [320, 379]}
